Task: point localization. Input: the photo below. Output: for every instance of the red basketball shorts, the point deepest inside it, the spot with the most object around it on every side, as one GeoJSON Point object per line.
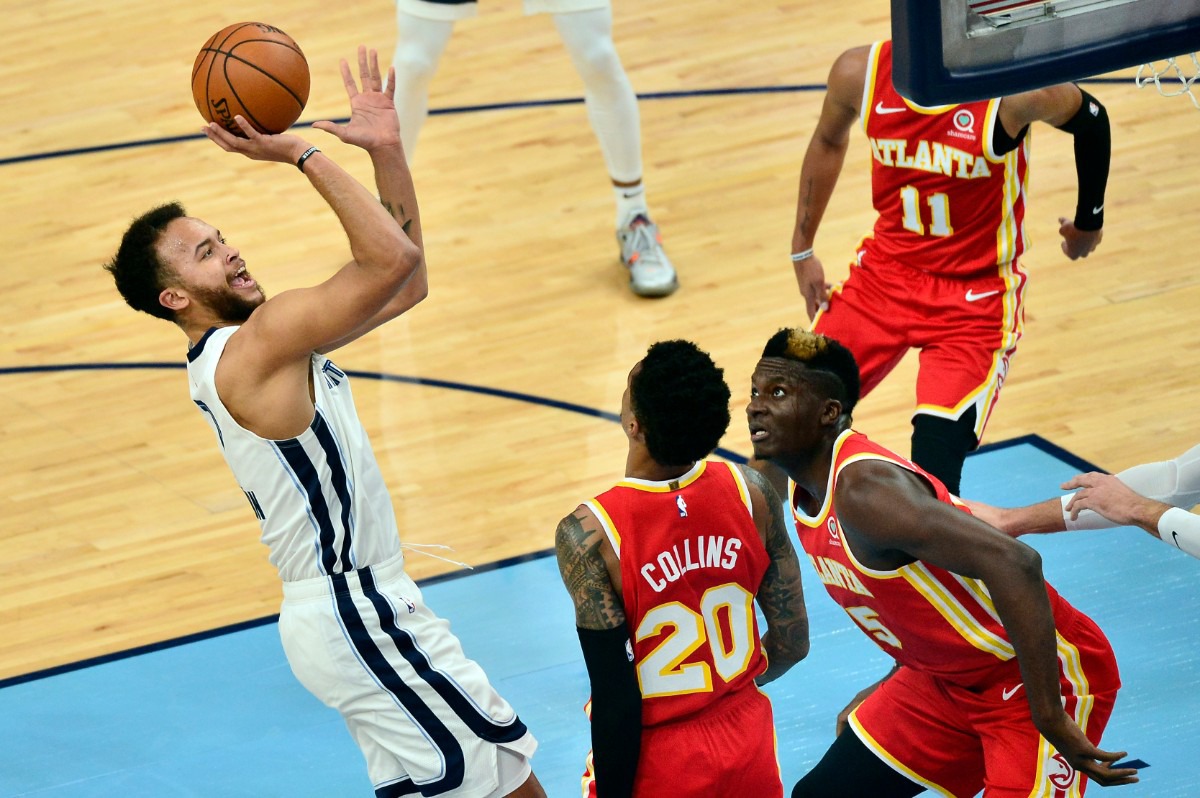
{"type": "Point", "coordinates": [966, 330]}
{"type": "Point", "coordinates": [730, 751]}
{"type": "Point", "coordinates": [959, 741]}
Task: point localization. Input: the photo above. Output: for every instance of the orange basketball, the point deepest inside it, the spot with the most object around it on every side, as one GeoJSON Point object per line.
{"type": "Point", "coordinates": [251, 69]}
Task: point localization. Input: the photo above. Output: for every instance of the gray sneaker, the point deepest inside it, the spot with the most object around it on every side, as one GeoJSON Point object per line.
{"type": "Point", "coordinates": [650, 271]}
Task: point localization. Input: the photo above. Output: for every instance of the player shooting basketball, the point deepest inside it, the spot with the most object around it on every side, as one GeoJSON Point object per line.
{"type": "Point", "coordinates": [354, 627]}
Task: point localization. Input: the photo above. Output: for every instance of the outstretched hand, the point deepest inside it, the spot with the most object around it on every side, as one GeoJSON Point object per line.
{"type": "Point", "coordinates": [373, 121]}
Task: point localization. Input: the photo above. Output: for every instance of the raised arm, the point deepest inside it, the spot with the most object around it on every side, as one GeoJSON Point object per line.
{"type": "Point", "coordinates": [781, 594]}
{"type": "Point", "coordinates": [822, 165]}
{"type": "Point", "coordinates": [288, 328]}
{"type": "Point", "coordinates": [375, 128]}
{"type": "Point", "coordinates": [1074, 111]}
{"type": "Point", "coordinates": [586, 562]}
{"type": "Point", "coordinates": [890, 517]}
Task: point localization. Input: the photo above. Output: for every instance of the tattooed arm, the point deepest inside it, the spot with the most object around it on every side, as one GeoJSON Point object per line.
{"type": "Point", "coordinates": [375, 128]}
{"type": "Point", "coordinates": [587, 564]}
{"type": "Point", "coordinates": [781, 594]}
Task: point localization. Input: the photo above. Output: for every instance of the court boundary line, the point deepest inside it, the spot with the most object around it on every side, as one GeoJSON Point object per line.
{"type": "Point", "coordinates": [1032, 439]}
{"type": "Point", "coordinates": [460, 109]}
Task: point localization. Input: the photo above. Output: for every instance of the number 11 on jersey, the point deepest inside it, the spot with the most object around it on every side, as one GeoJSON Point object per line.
{"type": "Point", "coordinates": [939, 213]}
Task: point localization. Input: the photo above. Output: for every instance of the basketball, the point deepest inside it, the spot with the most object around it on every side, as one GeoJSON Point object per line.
{"type": "Point", "coordinates": [251, 69]}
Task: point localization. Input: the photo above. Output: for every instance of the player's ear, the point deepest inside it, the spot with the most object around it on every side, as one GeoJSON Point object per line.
{"type": "Point", "coordinates": [173, 300]}
{"type": "Point", "coordinates": [831, 412]}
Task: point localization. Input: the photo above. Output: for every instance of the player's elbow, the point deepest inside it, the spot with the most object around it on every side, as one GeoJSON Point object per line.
{"type": "Point", "coordinates": [1026, 561]}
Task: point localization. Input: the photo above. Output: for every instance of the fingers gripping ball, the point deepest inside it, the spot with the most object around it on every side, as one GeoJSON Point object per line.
{"type": "Point", "coordinates": [251, 69]}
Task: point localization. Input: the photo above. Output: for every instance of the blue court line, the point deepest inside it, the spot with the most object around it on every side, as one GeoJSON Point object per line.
{"type": "Point", "coordinates": [460, 109]}
{"type": "Point", "coordinates": [154, 726]}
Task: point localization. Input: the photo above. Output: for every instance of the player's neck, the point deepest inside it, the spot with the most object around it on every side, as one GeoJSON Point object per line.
{"type": "Point", "coordinates": [640, 465]}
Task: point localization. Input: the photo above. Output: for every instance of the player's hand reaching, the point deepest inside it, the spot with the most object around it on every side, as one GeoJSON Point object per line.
{"type": "Point", "coordinates": [810, 276]}
{"type": "Point", "coordinates": [373, 121]}
{"type": "Point", "coordinates": [1070, 741]}
{"type": "Point", "coordinates": [1110, 497]}
{"type": "Point", "coordinates": [281, 147]}
{"type": "Point", "coordinates": [1077, 243]}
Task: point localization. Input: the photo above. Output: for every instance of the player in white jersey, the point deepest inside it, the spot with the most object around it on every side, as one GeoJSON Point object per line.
{"type": "Point", "coordinates": [355, 629]}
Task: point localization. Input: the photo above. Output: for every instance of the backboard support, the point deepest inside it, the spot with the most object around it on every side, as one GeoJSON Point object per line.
{"type": "Point", "coordinates": [959, 50]}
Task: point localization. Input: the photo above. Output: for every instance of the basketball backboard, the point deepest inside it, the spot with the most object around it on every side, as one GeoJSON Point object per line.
{"type": "Point", "coordinates": [958, 50]}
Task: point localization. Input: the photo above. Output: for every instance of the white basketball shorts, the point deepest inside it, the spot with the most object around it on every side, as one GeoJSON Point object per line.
{"type": "Point", "coordinates": [425, 717]}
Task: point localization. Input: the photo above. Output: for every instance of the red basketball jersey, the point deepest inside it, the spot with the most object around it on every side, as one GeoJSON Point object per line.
{"type": "Point", "coordinates": [922, 616]}
{"type": "Point", "coordinates": [691, 563]}
{"type": "Point", "coordinates": [947, 203]}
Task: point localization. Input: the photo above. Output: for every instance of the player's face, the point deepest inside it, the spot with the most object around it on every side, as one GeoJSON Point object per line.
{"type": "Point", "coordinates": [210, 272]}
{"type": "Point", "coordinates": [784, 412]}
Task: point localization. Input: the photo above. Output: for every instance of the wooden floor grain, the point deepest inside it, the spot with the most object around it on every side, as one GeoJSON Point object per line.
{"type": "Point", "coordinates": [119, 523]}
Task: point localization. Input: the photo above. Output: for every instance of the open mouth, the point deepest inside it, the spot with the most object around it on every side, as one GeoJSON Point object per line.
{"type": "Point", "coordinates": [242, 279]}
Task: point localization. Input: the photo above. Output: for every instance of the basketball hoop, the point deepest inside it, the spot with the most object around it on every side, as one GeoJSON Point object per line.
{"type": "Point", "coordinates": [1171, 77]}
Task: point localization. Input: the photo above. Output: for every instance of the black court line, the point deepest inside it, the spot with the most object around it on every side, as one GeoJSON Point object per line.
{"type": "Point", "coordinates": [1033, 440]}
{"type": "Point", "coordinates": [500, 393]}
{"type": "Point", "coordinates": [461, 109]}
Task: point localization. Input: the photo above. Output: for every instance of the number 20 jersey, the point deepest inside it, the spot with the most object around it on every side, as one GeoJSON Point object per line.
{"type": "Point", "coordinates": [691, 563]}
{"type": "Point", "coordinates": [947, 202]}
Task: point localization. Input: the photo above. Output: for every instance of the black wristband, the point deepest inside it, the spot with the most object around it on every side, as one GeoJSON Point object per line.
{"type": "Point", "coordinates": [307, 154]}
{"type": "Point", "coordinates": [1093, 150]}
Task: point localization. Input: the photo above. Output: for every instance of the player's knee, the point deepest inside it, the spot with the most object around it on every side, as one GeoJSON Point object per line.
{"type": "Point", "coordinates": [596, 60]}
{"type": "Point", "coordinates": [414, 66]}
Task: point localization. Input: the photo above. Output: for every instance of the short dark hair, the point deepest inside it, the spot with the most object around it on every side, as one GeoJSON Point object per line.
{"type": "Point", "coordinates": [137, 269]}
{"type": "Point", "coordinates": [681, 401]}
{"type": "Point", "coordinates": [821, 354]}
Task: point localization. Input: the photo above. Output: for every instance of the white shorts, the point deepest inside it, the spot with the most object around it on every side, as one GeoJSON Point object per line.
{"type": "Point", "coordinates": [462, 9]}
{"type": "Point", "coordinates": [425, 717]}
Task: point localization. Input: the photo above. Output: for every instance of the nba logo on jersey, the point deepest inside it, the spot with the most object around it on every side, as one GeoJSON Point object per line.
{"type": "Point", "coordinates": [682, 505]}
{"type": "Point", "coordinates": [407, 603]}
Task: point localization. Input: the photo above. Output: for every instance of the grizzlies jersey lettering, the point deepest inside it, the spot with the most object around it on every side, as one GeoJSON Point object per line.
{"type": "Point", "coordinates": [922, 616]}
{"type": "Point", "coordinates": [947, 202]}
{"type": "Point", "coordinates": [691, 563]}
{"type": "Point", "coordinates": [319, 498]}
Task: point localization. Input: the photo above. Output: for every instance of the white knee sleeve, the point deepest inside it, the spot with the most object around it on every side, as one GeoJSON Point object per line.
{"type": "Point", "coordinates": [611, 102]}
{"type": "Point", "coordinates": [419, 47]}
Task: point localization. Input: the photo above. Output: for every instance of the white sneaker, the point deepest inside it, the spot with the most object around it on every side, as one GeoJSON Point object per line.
{"type": "Point", "coordinates": [650, 271]}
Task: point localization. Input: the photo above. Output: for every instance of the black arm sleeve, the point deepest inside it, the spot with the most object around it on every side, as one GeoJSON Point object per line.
{"type": "Point", "coordinates": [1093, 149]}
{"type": "Point", "coordinates": [616, 709]}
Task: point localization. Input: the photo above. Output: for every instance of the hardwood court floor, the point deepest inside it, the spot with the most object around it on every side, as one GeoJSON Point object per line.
{"type": "Point", "coordinates": [120, 524]}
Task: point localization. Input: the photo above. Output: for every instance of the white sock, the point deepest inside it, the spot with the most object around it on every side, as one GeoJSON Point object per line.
{"type": "Point", "coordinates": [631, 200]}
{"type": "Point", "coordinates": [420, 46]}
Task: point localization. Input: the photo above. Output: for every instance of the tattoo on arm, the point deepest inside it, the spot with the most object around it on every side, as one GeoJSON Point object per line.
{"type": "Point", "coordinates": [781, 594]}
{"type": "Point", "coordinates": [597, 605]}
{"type": "Point", "coordinates": [397, 214]}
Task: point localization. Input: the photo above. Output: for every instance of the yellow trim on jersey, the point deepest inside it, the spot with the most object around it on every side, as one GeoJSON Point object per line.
{"type": "Point", "coordinates": [606, 523]}
{"type": "Point", "coordinates": [739, 479]}
{"type": "Point", "coordinates": [813, 521]}
{"type": "Point", "coordinates": [970, 629]}
{"type": "Point", "coordinates": [991, 118]}
{"type": "Point", "coordinates": [881, 752]}
{"type": "Point", "coordinates": [665, 486]}
{"type": "Point", "coordinates": [864, 113]}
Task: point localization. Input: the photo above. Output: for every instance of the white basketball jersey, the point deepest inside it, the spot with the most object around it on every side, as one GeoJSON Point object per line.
{"type": "Point", "coordinates": [319, 497]}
